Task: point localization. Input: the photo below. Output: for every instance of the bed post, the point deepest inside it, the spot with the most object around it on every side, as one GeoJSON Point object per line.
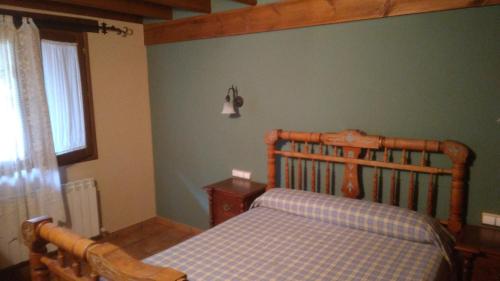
{"type": "Point", "coordinates": [271, 139]}
{"type": "Point", "coordinates": [37, 248]}
{"type": "Point", "coordinates": [458, 154]}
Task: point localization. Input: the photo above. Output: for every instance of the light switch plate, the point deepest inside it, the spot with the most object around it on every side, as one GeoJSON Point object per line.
{"type": "Point", "coordinates": [241, 174]}
{"type": "Point", "coordinates": [489, 218]}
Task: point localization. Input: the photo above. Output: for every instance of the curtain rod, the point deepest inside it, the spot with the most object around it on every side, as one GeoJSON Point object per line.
{"type": "Point", "coordinates": [66, 23]}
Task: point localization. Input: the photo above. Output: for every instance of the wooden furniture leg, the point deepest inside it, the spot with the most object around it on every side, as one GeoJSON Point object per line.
{"type": "Point", "coordinates": [37, 247]}
{"type": "Point", "coordinates": [468, 265]}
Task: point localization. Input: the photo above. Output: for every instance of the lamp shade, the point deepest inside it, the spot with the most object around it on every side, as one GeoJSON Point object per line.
{"type": "Point", "coordinates": [228, 108]}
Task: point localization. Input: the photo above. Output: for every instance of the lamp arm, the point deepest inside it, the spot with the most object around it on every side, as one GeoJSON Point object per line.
{"type": "Point", "coordinates": [228, 98]}
{"type": "Point", "coordinates": [237, 100]}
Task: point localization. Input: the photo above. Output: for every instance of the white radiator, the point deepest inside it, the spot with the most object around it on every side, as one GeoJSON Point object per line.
{"type": "Point", "coordinates": [81, 199]}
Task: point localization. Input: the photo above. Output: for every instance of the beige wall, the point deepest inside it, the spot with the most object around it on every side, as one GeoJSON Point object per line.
{"type": "Point", "coordinates": [124, 169]}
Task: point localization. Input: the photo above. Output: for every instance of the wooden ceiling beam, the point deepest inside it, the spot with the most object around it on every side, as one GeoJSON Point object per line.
{"type": "Point", "coordinates": [70, 9]}
{"type": "Point", "coordinates": [132, 7]}
{"type": "Point", "coordinates": [54, 22]}
{"type": "Point", "coordinates": [202, 6]}
{"type": "Point", "coordinates": [293, 14]}
{"type": "Point", "coordinates": [249, 2]}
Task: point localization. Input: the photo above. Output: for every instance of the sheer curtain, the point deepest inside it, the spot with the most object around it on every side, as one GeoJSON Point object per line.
{"type": "Point", "coordinates": [29, 176]}
{"type": "Point", "coordinates": [64, 94]}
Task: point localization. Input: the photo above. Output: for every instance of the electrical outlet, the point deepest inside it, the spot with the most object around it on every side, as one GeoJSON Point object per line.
{"type": "Point", "coordinates": [241, 174]}
{"type": "Point", "coordinates": [490, 219]}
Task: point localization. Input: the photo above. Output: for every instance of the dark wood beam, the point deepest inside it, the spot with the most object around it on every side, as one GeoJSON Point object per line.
{"type": "Point", "coordinates": [70, 9]}
{"type": "Point", "coordinates": [54, 22]}
{"type": "Point", "coordinates": [249, 2]}
{"type": "Point", "coordinates": [192, 5]}
{"type": "Point", "coordinates": [131, 7]}
{"type": "Point", "coordinates": [293, 14]}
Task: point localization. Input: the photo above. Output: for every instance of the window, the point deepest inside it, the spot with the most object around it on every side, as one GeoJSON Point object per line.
{"type": "Point", "coordinates": [68, 89]}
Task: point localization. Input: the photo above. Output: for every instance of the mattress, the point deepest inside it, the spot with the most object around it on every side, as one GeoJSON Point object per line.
{"type": "Point", "coordinates": [275, 243]}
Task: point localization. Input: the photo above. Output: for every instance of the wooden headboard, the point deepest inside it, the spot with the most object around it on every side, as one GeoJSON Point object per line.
{"type": "Point", "coordinates": [310, 157]}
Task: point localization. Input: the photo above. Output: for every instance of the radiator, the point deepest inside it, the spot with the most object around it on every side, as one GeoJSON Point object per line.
{"type": "Point", "coordinates": [81, 199]}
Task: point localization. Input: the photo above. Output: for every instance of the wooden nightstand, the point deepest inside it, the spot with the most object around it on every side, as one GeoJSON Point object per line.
{"type": "Point", "coordinates": [479, 248]}
{"type": "Point", "coordinates": [231, 197]}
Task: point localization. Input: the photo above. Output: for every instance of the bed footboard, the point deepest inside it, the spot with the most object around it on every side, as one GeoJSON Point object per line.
{"type": "Point", "coordinates": [81, 259]}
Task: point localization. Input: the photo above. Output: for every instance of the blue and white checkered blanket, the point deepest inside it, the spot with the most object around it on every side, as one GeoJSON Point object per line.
{"type": "Point", "coordinates": [299, 235]}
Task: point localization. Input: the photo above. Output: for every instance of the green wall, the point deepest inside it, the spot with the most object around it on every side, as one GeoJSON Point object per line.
{"type": "Point", "coordinates": [433, 76]}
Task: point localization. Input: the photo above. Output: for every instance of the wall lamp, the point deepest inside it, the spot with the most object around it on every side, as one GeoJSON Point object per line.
{"type": "Point", "coordinates": [233, 103]}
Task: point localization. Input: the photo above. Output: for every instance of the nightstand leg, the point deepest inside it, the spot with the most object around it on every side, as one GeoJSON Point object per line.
{"type": "Point", "coordinates": [467, 266]}
{"type": "Point", "coordinates": [210, 193]}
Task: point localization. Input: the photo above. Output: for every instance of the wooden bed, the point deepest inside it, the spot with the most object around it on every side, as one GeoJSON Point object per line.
{"type": "Point", "coordinates": [294, 159]}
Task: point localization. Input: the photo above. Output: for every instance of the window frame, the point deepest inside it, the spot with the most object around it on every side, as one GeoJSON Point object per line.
{"type": "Point", "coordinates": [80, 38]}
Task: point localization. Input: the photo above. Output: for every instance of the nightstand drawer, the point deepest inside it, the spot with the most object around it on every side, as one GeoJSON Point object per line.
{"type": "Point", "coordinates": [226, 207]}
{"type": "Point", "coordinates": [486, 269]}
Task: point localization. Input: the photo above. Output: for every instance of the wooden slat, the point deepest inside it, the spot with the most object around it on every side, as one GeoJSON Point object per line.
{"type": "Point", "coordinates": [430, 196]}
{"type": "Point", "coordinates": [293, 14]}
{"type": "Point", "coordinates": [71, 9]}
{"type": "Point", "coordinates": [304, 168]}
{"type": "Point", "coordinates": [336, 154]}
{"type": "Point", "coordinates": [299, 171]}
{"type": "Point", "coordinates": [60, 257]}
{"type": "Point", "coordinates": [126, 7]}
{"type": "Point", "coordinates": [287, 174]}
{"type": "Point", "coordinates": [393, 198]}
{"type": "Point", "coordinates": [328, 178]}
{"type": "Point", "coordinates": [192, 5]}
{"type": "Point", "coordinates": [313, 172]}
{"type": "Point", "coordinates": [411, 192]}
{"type": "Point", "coordinates": [376, 176]}
{"type": "Point", "coordinates": [423, 159]}
{"type": "Point", "coordinates": [249, 2]}
{"type": "Point", "coordinates": [368, 154]}
{"type": "Point", "coordinates": [76, 267]}
{"type": "Point", "coordinates": [324, 151]}
{"type": "Point", "coordinates": [292, 173]}
{"type": "Point", "coordinates": [64, 273]}
{"type": "Point", "coordinates": [375, 194]}
{"type": "Point", "coordinates": [388, 165]}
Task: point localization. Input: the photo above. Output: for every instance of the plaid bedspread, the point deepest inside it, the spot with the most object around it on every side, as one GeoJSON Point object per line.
{"type": "Point", "coordinates": [272, 242]}
{"type": "Point", "coordinates": [378, 218]}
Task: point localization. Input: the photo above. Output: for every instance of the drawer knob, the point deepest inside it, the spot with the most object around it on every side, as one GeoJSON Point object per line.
{"type": "Point", "coordinates": [226, 207]}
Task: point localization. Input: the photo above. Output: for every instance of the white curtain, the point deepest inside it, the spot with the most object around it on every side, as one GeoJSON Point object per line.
{"type": "Point", "coordinates": [29, 177]}
{"type": "Point", "coordinates": [64, 94]}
